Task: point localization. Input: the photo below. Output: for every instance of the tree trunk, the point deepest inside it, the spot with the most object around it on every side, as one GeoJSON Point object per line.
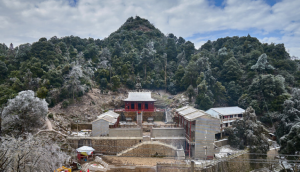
{"type": "Point", "coordinates": [110, 75]}
{"type": "Point", "coordinates": [166, 76]}
{"type": "Point", "coordinates": [145, 72]}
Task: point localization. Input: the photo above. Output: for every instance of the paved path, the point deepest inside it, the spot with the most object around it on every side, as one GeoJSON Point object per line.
{"type": "Point", "coordinates": [168, 116]}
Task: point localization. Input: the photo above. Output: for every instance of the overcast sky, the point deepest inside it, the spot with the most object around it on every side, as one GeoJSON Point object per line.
{"type": "Point", "coordinates": [276, 21]}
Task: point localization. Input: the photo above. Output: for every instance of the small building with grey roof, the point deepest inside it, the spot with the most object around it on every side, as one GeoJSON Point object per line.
{"type": "Point", "coordinates": [227, 115]}
{"type": "Point", "coordinates": [101, 125]}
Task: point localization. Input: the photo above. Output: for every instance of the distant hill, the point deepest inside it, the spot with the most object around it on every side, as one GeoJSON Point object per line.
{"type": "Point", "coordinates": [221, 71]}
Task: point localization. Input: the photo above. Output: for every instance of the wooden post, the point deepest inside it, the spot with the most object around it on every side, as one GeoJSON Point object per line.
{"type": "Point", "coordinates": [189, 150]}
{"type": "Point", "coordinates": [192, 166]}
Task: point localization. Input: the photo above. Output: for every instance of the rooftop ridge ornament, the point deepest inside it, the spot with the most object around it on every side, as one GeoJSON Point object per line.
{"type": "Point", "coordinates": [138, 84]}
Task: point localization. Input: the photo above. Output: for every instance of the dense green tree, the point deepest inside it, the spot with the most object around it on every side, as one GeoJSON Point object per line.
{"type": "Point", "coordinates": [42, 92]}
{"type": "Point", "coordinates": [232, 70]}
{"type": "Point", "coordinates": [115, 80]}
{"type": "Point", "coordinates": [3, 69]}
{"type": "Point", "coordinates": [190, 92]}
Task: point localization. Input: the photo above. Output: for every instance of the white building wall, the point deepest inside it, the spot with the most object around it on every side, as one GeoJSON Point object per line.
{"type": "Point", "coordinates": [206, 128]}
{"type": "Point", "coordinates": [100, 128]}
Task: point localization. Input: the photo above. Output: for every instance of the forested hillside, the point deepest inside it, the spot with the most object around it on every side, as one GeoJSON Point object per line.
{"type": "Point", "coordinates": [231, 71]}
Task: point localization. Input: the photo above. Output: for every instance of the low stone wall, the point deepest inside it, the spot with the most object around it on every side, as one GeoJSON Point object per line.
{"type": "Point", "coordinates": [238, 164]}
{"type": "Point", "coordinates": [81, 126]}
{"type": "Point", "coordinates": [105, 145]}
{"type": "Point", "coordinates": [125, 132]}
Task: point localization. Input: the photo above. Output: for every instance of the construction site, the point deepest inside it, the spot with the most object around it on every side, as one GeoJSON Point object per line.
{"type": "Point", "coordinates": [145, 135]}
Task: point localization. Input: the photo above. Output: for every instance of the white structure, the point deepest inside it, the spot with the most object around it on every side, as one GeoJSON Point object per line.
{"type": "Point", "coordinates": [226, 115]}
{"type": "Point", "coordinates": [100, 126]}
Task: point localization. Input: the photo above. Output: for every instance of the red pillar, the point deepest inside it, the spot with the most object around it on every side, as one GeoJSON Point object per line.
{"type": "Point", "coordinates": [190, 130]}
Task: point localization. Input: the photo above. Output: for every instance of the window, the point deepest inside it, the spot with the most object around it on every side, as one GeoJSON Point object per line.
{"type": "Point", "coordinates": [226, 125]}
{"type": "Point", "coordinates": [146, 105]}
{"type": "Point", "coordinates": [231, 116]}
{"type": "Point", "coordinates": [240, 115]}
{"type": "Point", "coordinates": [231, 123]}
{"type": "Point", "coordinates": [132, 105]}
{"type": "Point", "coordinates": [139, 106]}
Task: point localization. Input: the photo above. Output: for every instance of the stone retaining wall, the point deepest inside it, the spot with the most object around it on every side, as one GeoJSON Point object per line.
{"type": "Point", "coordinates": [150, 149]}
{"type": "Point", "coordinates": [81, 126]}
{"type": "Point", "coordinates": [105, 145]}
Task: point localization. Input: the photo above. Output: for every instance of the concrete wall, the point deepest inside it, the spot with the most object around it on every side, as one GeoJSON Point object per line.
{"type": "Point", "coordinates": [176, 142]}
{"type": "Point", "coordinates": [100, 128]}
{"type": "Point", "coordinates": [206, 127]}
{"type": "Point", "coordinates": [125, 132]}
{"type": "Point", "coordinates": [167, 132]}
{"type": "Point", "coordinates": [105, 145]}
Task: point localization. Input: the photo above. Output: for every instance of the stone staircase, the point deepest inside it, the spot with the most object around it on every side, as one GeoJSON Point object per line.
{"type": "Point", "coordinates": [139, 119]}
{"type": "Point", "coordinates": [146, 143]}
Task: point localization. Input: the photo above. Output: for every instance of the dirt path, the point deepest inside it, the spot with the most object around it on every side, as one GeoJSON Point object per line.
{"type": "Point", "coordinates": [49, 125]}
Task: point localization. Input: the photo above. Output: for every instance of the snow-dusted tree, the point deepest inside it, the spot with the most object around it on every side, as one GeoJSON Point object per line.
{"type": "Point", "coordinates": [262, 63]}
{"type": "Point", "coordinates": [31, 154]}
{"type": "Point", "coordinates": [72, 81]}
{"type": "Point", "coordinates": [24, 113]}
{"type": "Point", "coordinates": [248, 132]}
{"type": "Point", "coordinates": [290, 115]}
{"type": "Point", "coordinates": [181, 59]}
{"type": "Point", "coordinates": [290, 143]}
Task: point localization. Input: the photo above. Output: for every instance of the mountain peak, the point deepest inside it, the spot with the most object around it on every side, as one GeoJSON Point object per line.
{"type": "Point", "coordinates": [137, 23]}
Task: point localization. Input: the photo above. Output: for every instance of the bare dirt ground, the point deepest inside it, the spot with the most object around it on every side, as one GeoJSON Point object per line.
{"type": "Point", "coordinates": [114, 160]}
{"type": "Point", "coordinates": [86, 108]}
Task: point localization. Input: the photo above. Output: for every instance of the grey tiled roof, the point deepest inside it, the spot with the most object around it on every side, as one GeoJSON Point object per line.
{"type": "Point", "coordinates": [190, 113]}
{"type": "Point", "coordinates": [109, 116]}
{"type": "Point", "coordinates": [139, 96]}
{"type": "Point", "coordinates": [225, 111]}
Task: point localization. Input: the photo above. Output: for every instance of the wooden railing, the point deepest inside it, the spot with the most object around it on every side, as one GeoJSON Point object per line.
{"type": "Point", "coordinates": [190, 138]}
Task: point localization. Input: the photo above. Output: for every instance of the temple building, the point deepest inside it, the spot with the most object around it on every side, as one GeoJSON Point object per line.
{"type": "Point", "coordinates": [139, 101]}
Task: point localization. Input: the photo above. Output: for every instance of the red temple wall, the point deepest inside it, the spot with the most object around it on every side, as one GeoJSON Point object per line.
{"type": "Point", "coordinates": [128, 106]}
